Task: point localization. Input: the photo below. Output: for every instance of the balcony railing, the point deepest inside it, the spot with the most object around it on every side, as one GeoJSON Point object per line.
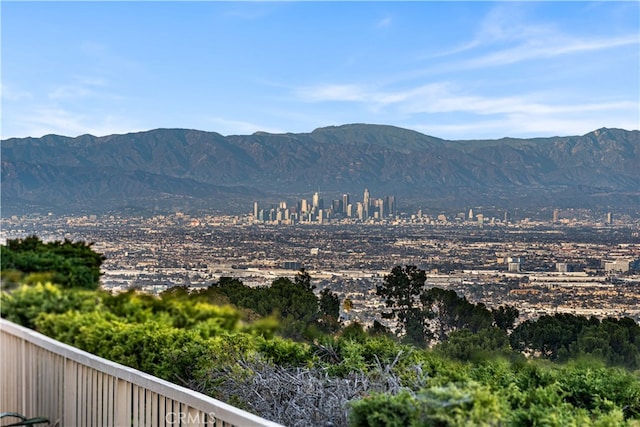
{"type": "Point", "coordinates": [43, 377]}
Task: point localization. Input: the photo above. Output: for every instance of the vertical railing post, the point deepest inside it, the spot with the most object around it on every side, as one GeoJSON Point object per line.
{"type": "Point", "coordinates": [70, 393]}
{"type": "Point", "coordinates": [22, 382]}
{"type": "Point", "coordinates": [123, 403]}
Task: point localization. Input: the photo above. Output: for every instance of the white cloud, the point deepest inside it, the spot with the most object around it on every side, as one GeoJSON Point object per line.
{"type": "Point", "coordinates": [53, 120]}
{"type": "Point", "coordinates": [68, 91]}
{"type": "Point", "coordinates": [516, 126]}
{"type": "Point", "coordinates": [506, 36]}
{"type": "Point", "coordinates": [333, 92]}
{"type": "Point", "coordinates": [444, 101]}
{"type": "Point", "coordinates": [10, 93]}
{"type": "Point", "coordinates": [83, 87]}
{"type": "Point", "coordinates": [446, 97]}
{"type": "Point", "coordinates": [525, 114]}
{"type": "Point", "coordinates": [547, 47]}
{"type": "Point", "coordinates": [526, 124]}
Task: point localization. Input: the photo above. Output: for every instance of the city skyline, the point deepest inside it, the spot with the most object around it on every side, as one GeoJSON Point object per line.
{"type": "Point", "coordinates": [380, 208]}
{"type": "Point", "coordinates": [317, 211]}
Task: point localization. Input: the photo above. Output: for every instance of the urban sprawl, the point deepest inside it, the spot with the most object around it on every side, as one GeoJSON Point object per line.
{"type": "Point", "coordinates": [573, 261]}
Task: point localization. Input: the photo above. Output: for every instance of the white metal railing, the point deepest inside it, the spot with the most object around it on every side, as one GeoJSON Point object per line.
{"type": "Point", "coordinates": [42, 377]}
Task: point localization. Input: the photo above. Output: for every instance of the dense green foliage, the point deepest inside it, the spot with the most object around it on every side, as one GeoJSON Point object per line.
{"type": "Point", "coordinates": [293, 303]}
{"type": "Point", "coordinates": [226, 339]}
{"type": "Point", "coordinates": [565, 336]}
{"type": "Point", "coordinates": [66, 263]}
{"type": "Point", "coordinates": [424, 314]}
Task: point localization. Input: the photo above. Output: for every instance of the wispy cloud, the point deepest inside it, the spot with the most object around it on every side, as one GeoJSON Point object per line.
{"type": "Point", "coordinates": [521, 125]}
{"type": "Point", "coordinates": [507, 36]}
{"type": "Point", "coordinates": [83, 87]}
{"type": "Point", "coordinates": [10, 93]}
{"type": "Point", "coordinates": [53, 120]}
{"type": "Point", "coordinates": [523, 114]}
{"type": "Point", "coordinates": [443, 97]}
{"type": "Point", "coordinates": [547, 47]}
{"type": "Point", "coordinates": [334, 92]}
{"type": "Point", "coordinates": [479, 102]}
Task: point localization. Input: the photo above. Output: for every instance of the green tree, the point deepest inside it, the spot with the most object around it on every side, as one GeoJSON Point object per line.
{"type": "Point", "coordinates": [296, 303]}
{"type": "Point", "coordinates": [452, 313]}
{"type": "Point", "coordinates": [564, 336]}
{"type": "Point", "coordinates": [402, 291]}
{"type": "Point", "coordinates": [551, 336]}
{"type": "Point", "coordinates": [423, 314]}
{"type": "Point", "coordinates": [329, 303]}
{"type": "Point", "coordinates": [330, 309]}
{"type": "Point", "coordinates": [505, 316]}
{"type": "Point", "coordinates": [303, 280]}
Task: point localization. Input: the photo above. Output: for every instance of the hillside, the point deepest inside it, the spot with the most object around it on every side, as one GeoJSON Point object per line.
{"type": "Point", "coordinates": [190, 169]}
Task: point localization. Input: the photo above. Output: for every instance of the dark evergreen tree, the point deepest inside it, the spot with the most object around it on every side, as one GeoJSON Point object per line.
{"type": "Point", "coordinates": [451, 313]}
{"type": "Point", "coordinates": [329, 303]}
{"type": "Point", "coordinates": [505, 316]}
{"type": "Point", "coordinates": [402, 291]}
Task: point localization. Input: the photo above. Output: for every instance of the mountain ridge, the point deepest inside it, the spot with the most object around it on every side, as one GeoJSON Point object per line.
{"type": "Point", "coordinates": [162, 168]}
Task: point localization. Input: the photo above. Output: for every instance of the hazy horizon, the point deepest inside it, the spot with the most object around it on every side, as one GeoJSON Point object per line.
{"type": "Point", "coordinates": [470, 138]}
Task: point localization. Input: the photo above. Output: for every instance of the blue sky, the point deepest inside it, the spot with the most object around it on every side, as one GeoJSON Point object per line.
{"type": "Point", "coordinates": [454, 70]}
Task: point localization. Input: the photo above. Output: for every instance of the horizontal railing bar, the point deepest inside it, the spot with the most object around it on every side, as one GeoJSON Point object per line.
{"type": "Point", "coordinates": [191, 398]}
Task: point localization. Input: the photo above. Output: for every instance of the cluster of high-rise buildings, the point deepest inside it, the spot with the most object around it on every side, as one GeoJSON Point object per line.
{"type": "Point", "coordinates": [318, 211]}
{"type": "Point", "coordinates": [371, 209]}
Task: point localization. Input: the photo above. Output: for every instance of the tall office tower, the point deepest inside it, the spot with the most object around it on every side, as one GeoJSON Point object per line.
{"type": "Point", "coordinates": [345, 203]}
{"type": "Point", "coordinates": [365, 202]}
{"type": "Point", "coordinates": [391, 205]}
{"type": "Point", "coordinates": [609, 218]}
{"type": "Point", "coordinates": [556, 215]}
{"type": "Point", "coordinates": [470, 216]}
{"type": "Point", "coordinates": [336, 206]}
{"type": "Point", "coordinates": [304, 205]}
{"type": "Point", "coordinates": [256, 210]}
{"type": "Point", "coordinates": [349, 210]}
{"type": "Point", "coordinates": [506, 216]}
{"type": "Point", "coordinates": [360, 210]}
{"type": "Point", "coordinates": [282, 205]}
{"type": "Point", "coordinates": [315, 201]}
{"type": "Point", "coordinates": [321, 216]}
{"type": "Point", "coordinates": [380, 208]}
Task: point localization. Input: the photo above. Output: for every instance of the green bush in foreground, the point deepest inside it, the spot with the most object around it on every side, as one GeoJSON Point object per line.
{"type": "Point", "coordinates": [460, 405]}
{"type": "Point", "coordinates": [69, 264]}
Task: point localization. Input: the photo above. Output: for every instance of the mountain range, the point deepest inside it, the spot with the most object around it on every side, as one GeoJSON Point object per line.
{"type": "Point", "coordinates": [192, 170]}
